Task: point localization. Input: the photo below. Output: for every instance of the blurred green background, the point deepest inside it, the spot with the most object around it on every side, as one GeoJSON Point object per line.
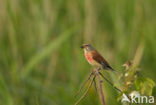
{"type": "Point", "coordinates": [41, 62]}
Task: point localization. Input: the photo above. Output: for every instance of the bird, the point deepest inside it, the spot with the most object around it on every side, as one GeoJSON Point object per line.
{"type": "Point", "coordinates": [94, 58]}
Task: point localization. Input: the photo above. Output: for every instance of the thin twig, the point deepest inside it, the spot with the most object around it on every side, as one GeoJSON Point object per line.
{"type": "Point", "coordinates": [100, 87]}
{"type": "Point", "coordinates": [85, 93]}
{"type": "Point", "coordinates": [84, 83]}
{"type": "Point", "coordinates": [110, 82]}
{"type": "Point", "coordinates": [95, 84]}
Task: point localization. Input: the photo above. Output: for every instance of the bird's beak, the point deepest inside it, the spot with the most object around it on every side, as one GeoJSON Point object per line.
{"type": "Point", "coordinates": [82, 46]}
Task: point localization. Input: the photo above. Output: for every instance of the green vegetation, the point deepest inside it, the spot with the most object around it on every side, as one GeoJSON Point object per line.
{"type": "Point", "coordinates": [41, 62]}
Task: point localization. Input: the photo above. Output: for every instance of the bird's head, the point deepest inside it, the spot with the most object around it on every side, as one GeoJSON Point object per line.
{"type": "Point", "coordinates": [87, 47]}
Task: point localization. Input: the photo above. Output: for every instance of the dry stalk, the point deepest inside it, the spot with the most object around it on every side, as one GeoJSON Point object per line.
{"type": "Point", "coordinates": [84, 83]}
{"type": "Point", "coordinates": [100, 86]}
{"type": "Point", "coordinates": [85, 93]}
{"type": "Point", "coordinates": [97, 74]}
{"type": "Point", "coordinates": [110, 82]}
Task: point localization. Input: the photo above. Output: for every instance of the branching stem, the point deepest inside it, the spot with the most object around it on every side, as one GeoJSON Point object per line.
{"type": "Point", "coordinates": [84, 83]}
{"type": "Point", "coordinates": [100, 87]}
{"type": "Point", "coordinates": [110, 82]}
{"type": "Point", "coordinates": [97, 74]}
{"type": "Point", "coordinates": [85, 93]}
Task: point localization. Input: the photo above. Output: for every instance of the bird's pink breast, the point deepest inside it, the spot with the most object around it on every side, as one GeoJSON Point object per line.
{"type": "Point", "coordinates": [88, 57]}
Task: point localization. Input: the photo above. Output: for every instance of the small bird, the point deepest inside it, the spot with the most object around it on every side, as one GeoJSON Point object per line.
{"type": "Point", "coordinates": [94, 58]}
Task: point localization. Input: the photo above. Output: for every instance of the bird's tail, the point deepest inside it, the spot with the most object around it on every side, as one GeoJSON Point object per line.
{"type": "Point", "coordinates": [110, 68]}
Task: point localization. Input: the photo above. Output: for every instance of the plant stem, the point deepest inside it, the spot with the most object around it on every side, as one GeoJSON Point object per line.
{"type": "Point", "coordinates": [100, 87]}
{"type": "Point", "coordinates": [91, 82]}
{"type": "Point", "coordinates": [110, 82]}
{"type": "Point", "coordinates": [84, 83]}
{"type": "Point", "coordinates": [95, 84]}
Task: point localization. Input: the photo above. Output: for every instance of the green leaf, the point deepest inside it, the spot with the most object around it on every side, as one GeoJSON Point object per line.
{"type": "Point", "coordinates": [144, 85]}
{"type": "Point", "coordinates": [119, 97]}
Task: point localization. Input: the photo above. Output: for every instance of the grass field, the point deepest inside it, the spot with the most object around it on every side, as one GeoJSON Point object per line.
{"type": "Point", "coordinates": [41, 62]}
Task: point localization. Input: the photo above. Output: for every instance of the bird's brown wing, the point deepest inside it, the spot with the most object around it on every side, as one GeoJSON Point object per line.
{"type": "Point", "coordinates": [97, 57]}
